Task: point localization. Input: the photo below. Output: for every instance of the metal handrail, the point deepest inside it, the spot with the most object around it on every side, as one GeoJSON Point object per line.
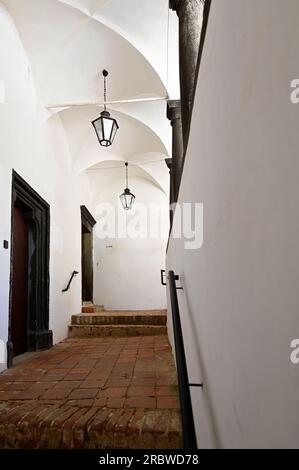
{"type": "Point", "coordinates": [188, 426]}
{"type": "Point", "coordinates": [70, 281]}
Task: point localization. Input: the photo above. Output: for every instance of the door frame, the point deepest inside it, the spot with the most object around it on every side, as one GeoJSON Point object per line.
{"type": "Point", "coordinates": [88, 222]}
{"type": "Point", "coordinates": [37, 213]}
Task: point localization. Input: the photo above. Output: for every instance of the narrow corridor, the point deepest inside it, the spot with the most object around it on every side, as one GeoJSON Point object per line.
{"type": "Point", "coordinates": [93, 393]}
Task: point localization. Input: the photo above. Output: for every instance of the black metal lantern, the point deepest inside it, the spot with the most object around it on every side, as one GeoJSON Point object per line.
{"type": "Point", "coordinates": [127, 198]}
{"type": "Point", "coordinates": [105, 126]}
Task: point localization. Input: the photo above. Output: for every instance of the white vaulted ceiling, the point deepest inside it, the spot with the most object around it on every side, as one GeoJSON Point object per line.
{"type": "Point", "coordinates": [69, 43]}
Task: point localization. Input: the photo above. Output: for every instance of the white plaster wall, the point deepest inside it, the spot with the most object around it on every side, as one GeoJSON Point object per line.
{"type": "Point", "coordinates": [33, 144]}
{"type": "Point", "coordinates": [127, 271]}
{"type": "Point", "coordinates": [239, 305]}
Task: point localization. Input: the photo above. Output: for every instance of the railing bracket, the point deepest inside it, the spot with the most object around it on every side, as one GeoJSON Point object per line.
{"type": "Point", "coordinates": [164, 283]}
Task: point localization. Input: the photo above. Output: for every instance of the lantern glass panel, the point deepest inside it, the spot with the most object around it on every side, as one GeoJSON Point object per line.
{"type": "Point", "coordinates": [114, 131]}
{"type": "Point", "coordinates": [107, 126]}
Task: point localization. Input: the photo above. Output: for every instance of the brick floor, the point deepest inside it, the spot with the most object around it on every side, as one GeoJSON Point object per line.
{"type": "Point", "coordinates": [93, 393]}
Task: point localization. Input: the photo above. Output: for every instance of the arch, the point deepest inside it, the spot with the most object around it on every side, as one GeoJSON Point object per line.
{"type": "Point", "coordinates": [103, 173]}
{"type": "Point", "coordinates": [134, 138]}
{"type": "Point", "coordinates": [76, 38]}
{"type": "Point", "coordinates": [91, 12]}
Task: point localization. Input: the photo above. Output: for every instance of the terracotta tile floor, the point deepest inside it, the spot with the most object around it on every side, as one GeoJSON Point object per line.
{"type": "Point", "coordinates": [95, 393]}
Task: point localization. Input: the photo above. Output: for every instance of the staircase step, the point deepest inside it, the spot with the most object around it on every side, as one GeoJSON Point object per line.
{"type": "Point", "coordinates": [92, 308]}
{"type": "Point", "coordinates": [152, 317]}
{"type": "Point", "coordinates": [116, 330]}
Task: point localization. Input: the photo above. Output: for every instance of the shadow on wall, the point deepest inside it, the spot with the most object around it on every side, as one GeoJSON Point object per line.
{"type": "Point", "coordinates": [130, 247]}
{"type": "Point", "coordinates": [127, 274]}
{"type": "Point", "coordinates": [206, 400]}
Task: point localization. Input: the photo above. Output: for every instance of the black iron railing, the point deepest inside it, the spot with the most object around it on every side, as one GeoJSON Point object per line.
{"type": "Point", "coordinates": [189, 434]}
{"type": "Point", "coordinates": [70, 281]}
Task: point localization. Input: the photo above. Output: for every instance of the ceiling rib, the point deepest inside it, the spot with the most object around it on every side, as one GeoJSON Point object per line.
{"type": "Point", "coordinates": [101, 103]}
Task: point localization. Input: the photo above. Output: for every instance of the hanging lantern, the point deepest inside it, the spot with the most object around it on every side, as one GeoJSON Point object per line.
{"type": "Point", "coordinates": [127, 198]}
{"type": "Point", "coordinates": [105, 126]}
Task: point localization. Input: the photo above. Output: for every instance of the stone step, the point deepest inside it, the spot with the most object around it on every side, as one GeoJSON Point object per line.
{"type": "Point", "coordinates": [92, 308]}
{"type": "Point", "coordinates": [151, 317]}
{"type": "Point", "coordinates": [116, 330]}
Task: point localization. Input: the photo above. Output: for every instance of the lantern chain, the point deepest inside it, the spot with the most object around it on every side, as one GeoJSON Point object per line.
{"type": "Point", "coordinates": [105, 75]}
{"type": "Point", "coordinates": [105, 93]}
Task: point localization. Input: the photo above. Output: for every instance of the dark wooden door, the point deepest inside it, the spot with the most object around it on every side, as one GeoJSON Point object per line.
{"type": "Point", "coordinates": [19, 283]}
{"type": "Point", "coordinates": [87, 266]}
